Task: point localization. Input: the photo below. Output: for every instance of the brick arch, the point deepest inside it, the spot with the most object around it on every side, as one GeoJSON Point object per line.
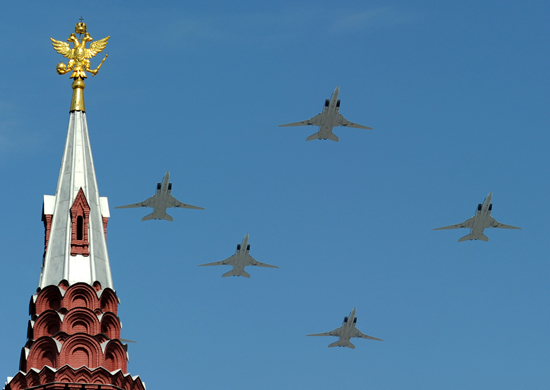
{"type": "Point", "coordinates": [115, 356]}
{"type": "Point", "coordinates": [109, 301]}
{"type": "Point", "coordinates": [80, 295]}
{"type": "Point", "coordinates": [99, 377]}
{"type": "Point", "coordinates": [118, 379]}
{"type": "Point", "coordinates": [48, 299]}
{"type": "Point", "coordinates": [83, 376]}
{"type": "Point", "coordinates": [46, 376]}
{"type": "Point", "coordinates": [65, 375]}
{"type": "Point", "coordinates": [81, 320]}
{"type": "Point", "coordinates": [81, 350]}
{"type": "Point", "coordinates": [61, 336]}
{"type": "Point", "coordinates": [127, 384]}
{"type": "Point", "coordinates": [110, 326]}
{"type": "Point", "coordinates": [47, 324]}
{"type": "Point", "coordinates": [43, 352]}
{"type": "Point", "coordinates": [33, 379]}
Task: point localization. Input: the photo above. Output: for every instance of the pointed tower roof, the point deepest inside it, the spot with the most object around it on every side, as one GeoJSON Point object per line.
{"type": "Point", "coordinates": [76, 217]}
{"type": "Point", "coordinates": [90, 261]}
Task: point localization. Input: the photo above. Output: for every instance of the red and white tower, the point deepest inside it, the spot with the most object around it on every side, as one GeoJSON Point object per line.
{"type": "Point", "coordinates": [74, 331]}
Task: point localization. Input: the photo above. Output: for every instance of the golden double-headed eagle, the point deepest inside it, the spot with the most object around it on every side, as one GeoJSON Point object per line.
{"type": "Point", "coordinates": [79, 56]}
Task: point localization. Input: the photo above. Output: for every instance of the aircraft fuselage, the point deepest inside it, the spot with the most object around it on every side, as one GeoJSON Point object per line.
{"type": "Point", "coordinates": [329, 118]}
{"type": "Point", "coordinates": [161, 200]}
{"type": "Point", "coordinates": [481, 219]}
{"type": "Point", "coordinates": [347, 329]}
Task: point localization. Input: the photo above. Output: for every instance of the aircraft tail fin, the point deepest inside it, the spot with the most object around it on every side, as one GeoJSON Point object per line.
{"type": "Point", "coordinates": [233, 273]}
{"type": "Point", "coordinates": [483, 237]}
{"type": "Point", "coordinates": [148, 217]}
{"type": "Point", "coordinates": [350, 345]}
{"type": "Point", "coordinates": [333, 137]}
{"type": "Point", "coordinates": [313, 137]}
{"type": "Point", "coordinates": [465, 238]}
{"type": "Point", "coordinates": [335, 344]}
{"type": "Point", "coordinates": [168, 217]}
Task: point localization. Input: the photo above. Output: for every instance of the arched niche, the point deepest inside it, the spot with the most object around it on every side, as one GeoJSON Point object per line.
{"type": "Point", "coordinates": [43, 352]}
{"type": "Point", "coordinates": [49, 298]}
{"type": "Point", "coordinates": [47, 324]}
{"type": "Point", "coordinates": [81, 320]}
{"type": "Point", "coordinates": [80, 295]}
{"type": "Point", "coordinates": [108, 301]}
{"type": "Point", "coordinates": [110, 326]}
{"type": "Point", "coordinates": [115, 357]}
{"type": "Point", "coordinates": [81, 350]}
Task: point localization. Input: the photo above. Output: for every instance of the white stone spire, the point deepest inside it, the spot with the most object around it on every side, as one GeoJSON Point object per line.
{"type": "Point", "coordinates": [76, 217]}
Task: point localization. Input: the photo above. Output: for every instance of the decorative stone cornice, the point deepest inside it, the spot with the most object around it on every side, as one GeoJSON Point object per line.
{"type": "Point", "coordinates": [67, 377]}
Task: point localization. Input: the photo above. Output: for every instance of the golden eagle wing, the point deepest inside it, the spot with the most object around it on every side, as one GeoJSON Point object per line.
{"type": "Point", "coordinates": [62, 48]}
{"type": "Point", "coordinates": [97, 47]}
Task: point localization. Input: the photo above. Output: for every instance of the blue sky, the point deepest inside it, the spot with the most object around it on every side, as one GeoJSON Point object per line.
{"type": "Point", "coordinates": [458, 96]}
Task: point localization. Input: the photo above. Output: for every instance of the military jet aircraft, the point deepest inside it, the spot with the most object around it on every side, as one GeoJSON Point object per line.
{"type": "Point", "coordinates": [240, 260]}
{"type": "Point", "coordinates": [479, 222]}
{"type": "Point", "coordinates": [345, 332]}
{"type": "Point", "coordinates": [161, 201]}
{"type": "Point", "coordinates": [327, 120]}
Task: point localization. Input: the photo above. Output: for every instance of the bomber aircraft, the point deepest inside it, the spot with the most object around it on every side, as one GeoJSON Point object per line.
{"type": "Point", "coordinates": [327, 120]}
{"type": "Point", "coordinates": [161, 201]}
{"type": "Point", "coordinates": [239, 260]}
{"type": "Point", "coordinates": [345, 332]}
{"type": "Point", "coordinates": [479, 222]}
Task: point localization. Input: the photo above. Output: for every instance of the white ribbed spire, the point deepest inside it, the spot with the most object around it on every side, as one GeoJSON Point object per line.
{"type": "Point", "coordinates": [77, 171]}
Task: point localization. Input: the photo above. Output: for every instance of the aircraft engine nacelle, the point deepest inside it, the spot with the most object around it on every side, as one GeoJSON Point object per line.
{"type": "Point", "coordinates": [327, 102]}
{"type": "Point", "coordinates": [158, 186]}
{"type": "Point", "coordinates": [338, 103]}
{"type": "Point", "coordinates": [238, 247]}
{"type": "Point", "coordinates": [169, 186]}
{"type": "Point", "coordinates": [355, 320]}
{"type": "Point", "coordinates": [490, 207]}
{"type": "Point", "coordinates": [479, 207]}
{"type": "Point", "coordinates": [345, 320]}
{"type": "Point", "coordinates": [248, 247]}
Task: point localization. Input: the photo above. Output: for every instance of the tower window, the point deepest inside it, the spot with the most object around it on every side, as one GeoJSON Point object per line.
{"type": "Point", "coordinates": [79, 227]}
{"type": "Point", "coordinates": [80, 213]}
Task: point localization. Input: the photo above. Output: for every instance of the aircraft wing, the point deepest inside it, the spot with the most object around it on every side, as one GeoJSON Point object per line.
{"type": "Point", "coordinates": [315, 121]}
{"type": "Point", "coordinates": [466, 224]}
{"type": "Point", "coordinates": [173, 202]}
{"type": "Point", "coordinates": [335, 332]}
{"type": "Point", "coordinates": [146, 203]}
{"type": "Point", "coordinates": [257, 263]}
{"type": "Point", "coordinates": [357, 333]}
{"type": "Point", "coordinates": [344, 122]}
{"type": "Point", "coordinates": [228, 261]}
{"type": "Point", "coordinates": [493, 223]}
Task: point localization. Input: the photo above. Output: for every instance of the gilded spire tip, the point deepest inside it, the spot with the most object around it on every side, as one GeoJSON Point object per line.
{"type": "Point", "coordinates": [79, 60]}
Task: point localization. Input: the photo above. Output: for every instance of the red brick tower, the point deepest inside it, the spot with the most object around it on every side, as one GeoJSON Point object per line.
{"type": "Point", "coordinates": [74, 332]}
